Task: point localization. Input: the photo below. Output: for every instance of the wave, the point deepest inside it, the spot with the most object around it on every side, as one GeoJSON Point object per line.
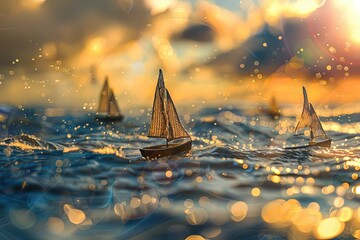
{"type": "Point", "coordinates": [28, 142]}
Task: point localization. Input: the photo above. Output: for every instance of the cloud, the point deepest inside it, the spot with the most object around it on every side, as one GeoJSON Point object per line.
{"type": "Point", "coordinates": [274, 11]}
{"type": "Point", "coordinates": [63, 26]}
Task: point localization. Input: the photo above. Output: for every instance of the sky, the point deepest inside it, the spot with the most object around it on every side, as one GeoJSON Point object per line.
{"type": "Point", "coordinates": [53, 52]}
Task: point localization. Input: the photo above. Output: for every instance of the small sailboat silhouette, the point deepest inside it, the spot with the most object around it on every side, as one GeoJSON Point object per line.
{"type": "Point", "coordinates": [108, 108]}
{"type": "Point", "coordinates": [273, 110]}
{"type": "Point", "coordinates": [165, 123]}
{"type": "Point", "coordinates": [310, 119]}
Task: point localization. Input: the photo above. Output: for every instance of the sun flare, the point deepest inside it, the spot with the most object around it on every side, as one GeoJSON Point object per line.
{"type": "Point", "coordinates": [350, 11]}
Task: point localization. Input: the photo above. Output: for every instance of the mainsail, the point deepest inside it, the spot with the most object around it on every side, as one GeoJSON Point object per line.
{"type": "Point", "coordinates": [165, 122]}
{"type": "Point", "coordinates": [104, 98]}
{"type": "Point", "coordinates": [305, 120]}
{"type": "Point", "coordinates": [316, 129]}
{"type": "Point", "coordinates": [114, 109]}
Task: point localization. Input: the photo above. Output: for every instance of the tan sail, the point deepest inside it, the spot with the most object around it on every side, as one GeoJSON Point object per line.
{"type": "Point", "coordinates": [104, 98]}
{"type": "Point", "coordinates": [114, 109]}
{"type": "Point", "coordinates": [305, 120]}
{"type": "Point", "coordinates": [158, 122]}
{"type": "Point", "coordinates": [165, 122]}
{"type": "Point", "coordinates": [176, 129]}
{"type": "Point", "coordinates": [316, 129]}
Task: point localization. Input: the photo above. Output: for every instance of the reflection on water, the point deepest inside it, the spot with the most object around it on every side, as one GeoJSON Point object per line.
{"type": "Point", "coordinates": [73, 177]}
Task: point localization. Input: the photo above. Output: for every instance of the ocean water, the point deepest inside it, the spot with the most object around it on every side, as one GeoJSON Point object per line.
{"type": "Point", "coordinates": [66, 175]}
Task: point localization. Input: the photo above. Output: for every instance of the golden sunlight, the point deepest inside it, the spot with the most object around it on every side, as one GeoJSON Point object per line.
{"type": "Point", "coordinates": [96, 45]}
{"type": "Point", "coordinates": [276, 9]}
{"type": "Point", "coordinates": [350, 10]}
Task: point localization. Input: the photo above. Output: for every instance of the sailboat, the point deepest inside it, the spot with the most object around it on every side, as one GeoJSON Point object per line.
{"type": "Point", "coordinates": [310, 119]}
{"type": "Point", "coordinates": [273, 110]}
{"type": "Point", "coordinates": [165, 123]}
{"type": "Point", "coordinates": [108, 108]}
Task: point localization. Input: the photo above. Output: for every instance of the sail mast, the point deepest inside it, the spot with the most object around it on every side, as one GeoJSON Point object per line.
{"type": "Point", "coordinates": [164, 101]}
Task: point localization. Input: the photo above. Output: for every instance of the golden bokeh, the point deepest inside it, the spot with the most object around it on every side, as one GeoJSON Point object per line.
{"type": "Point", "coordinates": [238, 211]}
{"type": "Point", "coordinates": [56, 225]}
{"type": "Point", "coordinates": [345, 214]}
{"type": "Point", "coordinates": [256, 192]}
{"type": "Point", "coordinates": [168, 174]}
{"type": "Point", "coordinates": [194, 237]}
{"type": "Point", "coordinates": [329, 228]}
{"type": "Point", "coordinates": [76, 216]}
{"type": "Point", "coordinates": [196, 216]}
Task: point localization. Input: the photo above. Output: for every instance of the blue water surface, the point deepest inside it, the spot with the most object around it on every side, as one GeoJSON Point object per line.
{"type": "Point", "coordinates": [67, 175]}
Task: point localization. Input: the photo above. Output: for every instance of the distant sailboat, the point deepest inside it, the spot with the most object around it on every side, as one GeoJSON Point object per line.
{"type": "Point", "coordinates": [273, 110]}
{"type": "Point", "coordinates": [108, 107]}
{"type": "Point", "coordinates": [310, 119]}
{"type": "Point", "coordinates": [165, 123]}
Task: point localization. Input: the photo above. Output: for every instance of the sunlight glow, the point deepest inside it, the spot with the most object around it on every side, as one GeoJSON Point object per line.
{"type": "Point", "coordinates": [96, 45]}
{"type": "Point", "coordinates": [276, 9]}
{"type": "Point", "coordinates": [351, 10]}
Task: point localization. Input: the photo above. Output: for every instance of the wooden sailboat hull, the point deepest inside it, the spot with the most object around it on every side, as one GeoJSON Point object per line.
{"type": "Point", "coordinates": [160, 151]}
{"type": "Point", "coordinates": [326, 144]}
{"type": "Point", "coordinates": [107, 118]}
